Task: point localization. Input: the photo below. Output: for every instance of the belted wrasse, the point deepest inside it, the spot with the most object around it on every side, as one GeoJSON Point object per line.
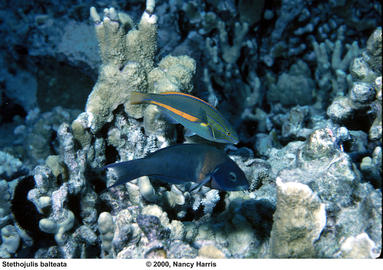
{"type": "Point", "coordinates": [193, 113]}
{"type": "Point", "coordinates": [184, 163]}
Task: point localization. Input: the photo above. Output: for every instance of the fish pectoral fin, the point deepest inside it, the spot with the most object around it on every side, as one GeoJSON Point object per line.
{"type": "Point", "coordinates": [200, 184]}
{"type": "Point", "coordinates": [205, 123]}
{"type": "Point", "coordinates": [203, 117]}
{"type": "Point", "coordinates": [212, 132]}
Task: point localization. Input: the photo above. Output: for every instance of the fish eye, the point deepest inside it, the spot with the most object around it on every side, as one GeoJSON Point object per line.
{"type": "Point", "coordinates": [232, 177]}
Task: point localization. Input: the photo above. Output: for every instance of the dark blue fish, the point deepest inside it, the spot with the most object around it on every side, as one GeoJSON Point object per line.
{"type": "Point", "coordinates": [184, 163]}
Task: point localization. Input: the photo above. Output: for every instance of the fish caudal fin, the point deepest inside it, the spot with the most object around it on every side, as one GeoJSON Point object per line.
{"type": "Point", "coordinates": [137, 97]}
{"type": "Point", "coordinates": [127, 171]}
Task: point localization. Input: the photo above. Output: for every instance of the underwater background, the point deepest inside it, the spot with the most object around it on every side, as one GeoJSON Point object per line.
{"type": "Point", "coordinates": [299, 81]}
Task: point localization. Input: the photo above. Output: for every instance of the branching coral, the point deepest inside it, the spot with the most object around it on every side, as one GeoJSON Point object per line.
{"type": "Point", "coordinates": [126, 57]}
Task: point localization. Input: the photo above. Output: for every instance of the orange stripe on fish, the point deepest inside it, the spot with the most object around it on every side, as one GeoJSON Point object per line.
{"type": "Point", "coordinates": [186, 95]}
{"type": "Point", "coordinates": [178, 112]}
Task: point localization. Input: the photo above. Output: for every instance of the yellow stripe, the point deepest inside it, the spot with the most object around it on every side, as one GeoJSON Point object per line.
{"type": "Point", "coordinates": [178, 112]}
{"type": "Point", "coordinates": [187, 95]}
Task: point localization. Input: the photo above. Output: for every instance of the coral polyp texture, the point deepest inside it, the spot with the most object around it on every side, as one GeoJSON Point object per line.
{"type": "Point", "coordinates": [302, 89]}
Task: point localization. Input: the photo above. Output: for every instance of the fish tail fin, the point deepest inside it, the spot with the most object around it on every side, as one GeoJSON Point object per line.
{"type": "Point", "coordinates": [127, 171]}
{"type": "Point", "coordinates": [137, 97]}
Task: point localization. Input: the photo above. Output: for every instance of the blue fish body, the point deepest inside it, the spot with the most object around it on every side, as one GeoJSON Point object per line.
{"type": "Point", "coordinates": [184, 163]}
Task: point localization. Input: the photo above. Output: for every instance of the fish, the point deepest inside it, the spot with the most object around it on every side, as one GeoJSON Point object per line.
{"type": "Point", "coordinates": [193, 113]}
{"type": "Point", "coordinates": [184, 163]}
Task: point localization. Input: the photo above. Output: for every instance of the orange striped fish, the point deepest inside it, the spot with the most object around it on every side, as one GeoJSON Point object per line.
{"type": "Point", "coordinates": [193, 113]}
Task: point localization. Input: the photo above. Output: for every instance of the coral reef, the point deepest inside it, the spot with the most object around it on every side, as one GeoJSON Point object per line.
{"type": "Point", "coordinates": [5, 203]}
{"type": "Point", "coordinates": [302, 89]}
{"type": "Point", "coordinates": [364, 98]}
{"type": "Point", "coordinates": [9, 165]}
{"type": "Point", "coordinates": [299, 74]}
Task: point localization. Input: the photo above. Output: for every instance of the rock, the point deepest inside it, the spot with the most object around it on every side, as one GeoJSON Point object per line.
{"type": "Point", "coordinates": [298, 221]}
{"type": "Point", "coordinates": [359, 247]}
{"type": "Point", "coordinates": [106, 229]}
{"type": "Point", "coordinates": [211, 252]}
